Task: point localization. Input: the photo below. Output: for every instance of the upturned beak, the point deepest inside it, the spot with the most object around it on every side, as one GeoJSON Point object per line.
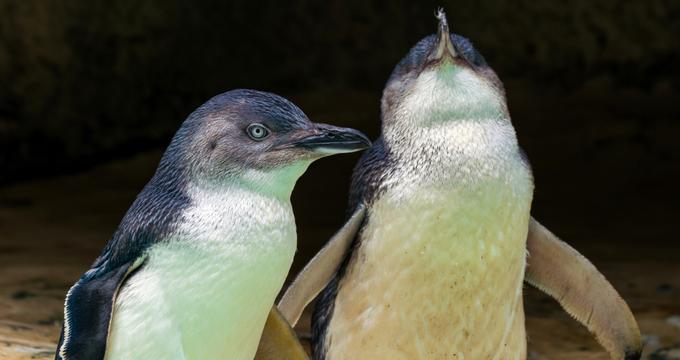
{"type": "Point", "coordinates": [444, 46]}
{"type": "Point", "coordinates": [326, 140]}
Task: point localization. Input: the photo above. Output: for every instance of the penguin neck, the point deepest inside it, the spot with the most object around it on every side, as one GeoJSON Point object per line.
{"type": "Point", "coordinates": [276, 183]}
{"type": "Point", "coordinates": [449, 108]}
{"type": "Point", "coordinates": [472, 137]}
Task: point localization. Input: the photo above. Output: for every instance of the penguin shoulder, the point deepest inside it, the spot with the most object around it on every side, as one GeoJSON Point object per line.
{"type": "Point", "coordinates": [369, 174]}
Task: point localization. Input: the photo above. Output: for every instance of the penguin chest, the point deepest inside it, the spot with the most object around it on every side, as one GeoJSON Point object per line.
{"type": "Point", "coordinates": [437, 276]}
{"type": "Point", "coordinates": [205, 292]}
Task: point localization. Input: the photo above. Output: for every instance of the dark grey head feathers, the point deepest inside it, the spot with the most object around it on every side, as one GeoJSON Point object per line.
{"type": "Point", "coordinates": [248, 129]}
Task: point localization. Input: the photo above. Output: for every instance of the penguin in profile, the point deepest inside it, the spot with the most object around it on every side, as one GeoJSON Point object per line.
{"type": "Point", "coordinates": [432, 261]}
{"type": "Point", "coordinates": [193, 269]}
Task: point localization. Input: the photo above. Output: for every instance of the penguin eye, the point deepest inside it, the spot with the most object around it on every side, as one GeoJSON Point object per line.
{"type": "Point", "coordinates": [257, 131]}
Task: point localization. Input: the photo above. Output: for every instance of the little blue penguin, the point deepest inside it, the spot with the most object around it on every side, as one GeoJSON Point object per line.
{"type": "Point", "coordinates": [193, 269]}
{"type": "Point", "coordinates": [432, 261]}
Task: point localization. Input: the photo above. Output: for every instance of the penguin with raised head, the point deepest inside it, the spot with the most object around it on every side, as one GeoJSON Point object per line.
{"type": "Point", "coordinates": [433, 258]}
{"type": "Point", "coordinates": [193, 269]}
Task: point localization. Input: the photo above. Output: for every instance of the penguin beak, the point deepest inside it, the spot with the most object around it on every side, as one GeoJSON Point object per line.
{"type": "Point", "coordinates": [327, 140]}
{"type": "Point", "coordinates": [443, 45]}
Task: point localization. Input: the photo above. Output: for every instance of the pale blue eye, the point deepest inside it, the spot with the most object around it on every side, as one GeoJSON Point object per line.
{"type": "Point", "coordinates": [257, 131]}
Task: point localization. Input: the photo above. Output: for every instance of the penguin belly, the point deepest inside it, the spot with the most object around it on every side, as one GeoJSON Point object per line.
{"type": "Point", "coordinates": [437, 276]}
{"type": "Point", "coordinates": [207, 294]}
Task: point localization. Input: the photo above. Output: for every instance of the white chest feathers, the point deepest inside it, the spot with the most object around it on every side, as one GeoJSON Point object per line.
{"type": "Point", "coordinates": [205, 292]}
{"type": "Point", "coordinates": [435, 277]}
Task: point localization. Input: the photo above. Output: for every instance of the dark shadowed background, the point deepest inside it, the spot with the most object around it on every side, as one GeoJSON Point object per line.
{"type": "Point", "coordinates": [92, 91]}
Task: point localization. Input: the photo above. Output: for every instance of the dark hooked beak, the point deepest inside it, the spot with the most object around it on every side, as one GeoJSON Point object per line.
{"type": "Point", "coordinates": [443, 45]}
{"type": "Point", "coordinates": [327, 140]}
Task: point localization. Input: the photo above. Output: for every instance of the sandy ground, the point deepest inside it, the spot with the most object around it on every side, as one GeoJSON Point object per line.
{"type": "Point", "coordinates": [51, 230]}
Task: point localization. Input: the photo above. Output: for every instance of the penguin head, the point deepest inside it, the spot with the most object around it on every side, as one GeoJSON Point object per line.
{"type": "Point", "coordinates": [443, 71]}
{"type": "Point", "coordinates": [254, 138]}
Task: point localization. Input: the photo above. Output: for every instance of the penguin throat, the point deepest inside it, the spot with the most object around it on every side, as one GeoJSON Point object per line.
{"type": "Point", "coordinates": [278, 181]}
{"type": "Point", "coordinates": [448, 93]}
{"type": "Point", "coordinates": [450, 108]}
{"type": "Point", "coordinates": [275, 182]}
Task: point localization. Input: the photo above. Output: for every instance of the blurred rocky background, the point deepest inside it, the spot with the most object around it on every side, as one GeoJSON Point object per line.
{"type": "Point", "coordinates": [91, 92]}
{"type": "Point", "coordinates": [87, 81]}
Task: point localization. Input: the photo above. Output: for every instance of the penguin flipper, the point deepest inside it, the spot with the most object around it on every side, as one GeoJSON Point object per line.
{"type": "Point", "coordinates": [320, 270]}
{"type": "Point", "coordinates": [279, 341]}
{"type": "Point", "coordinates": [88, 311]}
{"type": "Point", "coordinates": [557, 269]}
